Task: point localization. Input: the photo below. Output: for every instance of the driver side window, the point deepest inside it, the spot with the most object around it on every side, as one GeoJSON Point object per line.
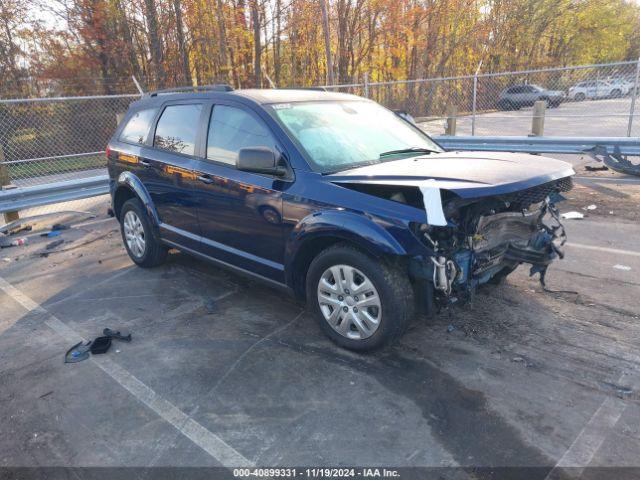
{"type": "Point", "coordinates": [231, 129]}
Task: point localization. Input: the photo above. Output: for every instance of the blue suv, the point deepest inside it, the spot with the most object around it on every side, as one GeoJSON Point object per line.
{"type": "Point", "coordinates": [331, 197]}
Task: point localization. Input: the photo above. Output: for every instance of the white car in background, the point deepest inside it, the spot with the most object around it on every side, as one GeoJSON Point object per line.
{"type": "Point", "coordinates": [626, 84]}
{"type": "Point", "coordinates": [594, 89]}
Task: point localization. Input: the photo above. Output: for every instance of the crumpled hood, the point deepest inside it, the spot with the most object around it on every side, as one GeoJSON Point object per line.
{"type": "Point", "coordinates": [468, 174]}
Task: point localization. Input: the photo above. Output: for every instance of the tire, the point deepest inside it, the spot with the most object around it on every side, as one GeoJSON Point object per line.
{"type": "Point", "coordinates": [616, 93]}
{"type": "Point", "coordinates": [505, 105]}
{"type": "Point", "coordinates": [580, 97]}
{"type": "Point", "coordinates": [148, 253]}
{"type": "Point", "coordinates": [270, 215]}
{"type": "Point", "coordinates": [389, 286]}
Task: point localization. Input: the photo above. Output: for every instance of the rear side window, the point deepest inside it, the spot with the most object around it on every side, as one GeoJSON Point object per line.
{"type": "Point", "coordinates": [137, 128]}
{"type": "Point", "coordinates": [177, 128]}
{"type": "Point", "coordinates": [231, 129]}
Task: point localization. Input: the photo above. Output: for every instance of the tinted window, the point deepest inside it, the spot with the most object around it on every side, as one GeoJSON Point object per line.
{"type": "Point", "coordinates": [517, 90]}
{"type": "Point", "coordinates": [177, 127]}
{"type": "Point", "coordinates": [137, 128]}
{"type": "Point", "coordinates": [231, 129]}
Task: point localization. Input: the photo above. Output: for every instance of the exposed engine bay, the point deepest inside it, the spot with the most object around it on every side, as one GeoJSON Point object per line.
{"type": "Point", "coordinates": [482, 239]}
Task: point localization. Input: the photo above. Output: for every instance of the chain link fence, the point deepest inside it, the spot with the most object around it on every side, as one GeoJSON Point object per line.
{"type": "Point", "coordinates": [588, 100]}
{"type": "Point", "coordinates": [48, 140]}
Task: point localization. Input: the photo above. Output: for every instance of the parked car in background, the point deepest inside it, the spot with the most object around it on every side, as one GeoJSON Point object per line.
{"type": "Point", "coordinates": [518, 96]}
{"type": "Point", "coordinates": [626, 84]}
{"type": "Point", "coordinates": [595, 89]}
{"type": "Point", "coordinates": [330, 197]}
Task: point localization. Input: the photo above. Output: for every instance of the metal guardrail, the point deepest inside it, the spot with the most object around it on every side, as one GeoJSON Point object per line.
{"type": "Point", "coordinates": [610, 148]}
{"type": "Point", "coordinates": [16, 199]}
{"type": "Point", "coordinates": [568, 145]}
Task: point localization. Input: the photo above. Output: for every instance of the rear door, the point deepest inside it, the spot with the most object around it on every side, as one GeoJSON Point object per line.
{"type": "Point", "coordinates": [167, 171]}
{"type": "Point", "coordinates": [240, 213]}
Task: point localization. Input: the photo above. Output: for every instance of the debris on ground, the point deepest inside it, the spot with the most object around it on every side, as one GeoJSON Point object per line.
{"type": "Point", "coordinates": [621, 391]}
{"type": "Point", "coordinates": [596, 168]}
{"type": "Point", "coordinates": [572, 216]}
{"type": "Point", "coordinates": [116, 334]}
{"type": "Point", "coordinates": [19, 228]}
{"type": "Point", "coordinates": [60, 226]}
{"type": "Point", "coordinates": [52, 245]}
{"type": "Point", "coordinates": [52, 233]}
{"type": "Point", "coordinates": [211, 306]}
{"type": "Point", "coordinates": [9, 242]}
{"type": "Point", "coordinates": [450, 328]}
{"type": "Point", "coordinates": [622, 267]}
{"type": "Point", "coordinates": [79, 352]}
{"type": "Point", "coordinates": [591, 207]}
{"type": "Point", "coordinates": [100, 345]}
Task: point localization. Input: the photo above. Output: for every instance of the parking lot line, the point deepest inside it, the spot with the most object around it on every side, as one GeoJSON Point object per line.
{"type": "Point", "coordinates": [191, 429]}
{"type": "Point", "coordinates": [589, 440]}
{"type": "Point", "coordinates": [616, 251]}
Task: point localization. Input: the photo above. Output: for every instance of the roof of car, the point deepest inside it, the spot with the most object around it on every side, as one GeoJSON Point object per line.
{"type": "Point", "coordinates": [260, 96]}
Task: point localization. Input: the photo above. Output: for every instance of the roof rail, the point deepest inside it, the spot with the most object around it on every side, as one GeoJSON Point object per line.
{"type": "Point", "coordinates": [222, 87]}
{"type": "Point", "coordinates": [317, 89]}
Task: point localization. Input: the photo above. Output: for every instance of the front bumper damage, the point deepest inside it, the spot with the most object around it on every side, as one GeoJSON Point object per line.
{"type": "Point", "coordinates": [499, 243]}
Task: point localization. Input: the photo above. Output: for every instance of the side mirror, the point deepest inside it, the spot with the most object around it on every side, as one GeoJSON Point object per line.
{"type": "Point", "coordinates": [260, 160]}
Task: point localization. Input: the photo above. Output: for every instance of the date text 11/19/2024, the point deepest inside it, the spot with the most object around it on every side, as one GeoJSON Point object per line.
{"type": "Point", "coordinates": [316, 472]}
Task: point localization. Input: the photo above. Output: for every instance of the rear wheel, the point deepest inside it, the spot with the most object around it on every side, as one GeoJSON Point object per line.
{"type": "Point", "coordinates": [360, 303]}
{"type": "Point", "coordinates": [580, 97]}
{"type": "Point", "coordinates": [142, 246]}
{"type": "Point", "coordinates": [616, 93]}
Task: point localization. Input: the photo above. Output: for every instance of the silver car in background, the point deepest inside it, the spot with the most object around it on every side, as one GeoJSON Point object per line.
{"type": "Point", "coordinates": [518, 96]}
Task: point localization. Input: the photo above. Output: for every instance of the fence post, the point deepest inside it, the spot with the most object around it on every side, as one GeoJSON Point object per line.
{"type": "Point", "coordinates": [452, 114]}
{"type": "Point", "coordinates": [5, 180]}
{"type": "Point", "coordinates": [475, 98]}
{"type": "Point", "coordinates": [366, 84]}
{"type": "Point", "coordinates": [473, 107]}
{"type": "Point", "coordinates": [537, 123]}
{"type": "Point", "coordinates": [634, 94]}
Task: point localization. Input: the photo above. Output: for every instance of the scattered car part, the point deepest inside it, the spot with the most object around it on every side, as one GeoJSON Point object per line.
{"type": "Point", "coordinates": [21, 221]}
{"type": "Point", "coordinates": [117, 335]}
{"type": "Point", "coordinates": [9, 242]}
{"type": "Point", "coordinates": [572, 216]}
{"type": "Point", "coordinates": [52, 245]}
{"type": "Point", "coordinates": [60, 226]}
{"type": "Point", "coordinates": [79, 352]}
{"type": "Point", "coordinates": [615, 161]}
{"type": "Point", "coordinates": [100, 345]}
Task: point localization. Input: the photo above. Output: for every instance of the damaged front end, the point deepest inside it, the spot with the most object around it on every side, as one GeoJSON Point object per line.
{"type": "Point", "coordinates": [485, 239]}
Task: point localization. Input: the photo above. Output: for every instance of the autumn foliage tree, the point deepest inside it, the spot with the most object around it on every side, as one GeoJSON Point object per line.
{"type": "Point", "coordinates": [95, 46]}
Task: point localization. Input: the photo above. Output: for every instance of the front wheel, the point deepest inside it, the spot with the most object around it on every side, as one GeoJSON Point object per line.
{"type": "Point", "coordinates": [142, 246]}
{"type": "Point", "coordinates": [360, 303]}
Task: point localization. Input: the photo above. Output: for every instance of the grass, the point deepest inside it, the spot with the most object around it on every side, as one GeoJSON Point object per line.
{"type": "Point", "coordinates": [19, 171]}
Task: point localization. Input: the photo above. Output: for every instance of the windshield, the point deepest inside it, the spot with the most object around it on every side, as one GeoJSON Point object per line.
{"type": "Point", "coordinates": [337, 135]}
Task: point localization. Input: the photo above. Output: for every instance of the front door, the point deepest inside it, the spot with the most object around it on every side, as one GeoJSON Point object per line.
{"type": "Point", "coordinates": [240, 213]}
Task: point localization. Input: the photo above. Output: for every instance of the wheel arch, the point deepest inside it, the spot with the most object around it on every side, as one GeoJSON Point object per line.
{"type": "Point", "coordinates": [323, 230]}
{"type": "Point", "coordinates": [130, 186]}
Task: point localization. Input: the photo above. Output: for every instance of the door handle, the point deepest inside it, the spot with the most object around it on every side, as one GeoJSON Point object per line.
{"type": "Point", "coordinates": [145, 163]}
{"type": "Point", "coordinates": [205, 179]}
